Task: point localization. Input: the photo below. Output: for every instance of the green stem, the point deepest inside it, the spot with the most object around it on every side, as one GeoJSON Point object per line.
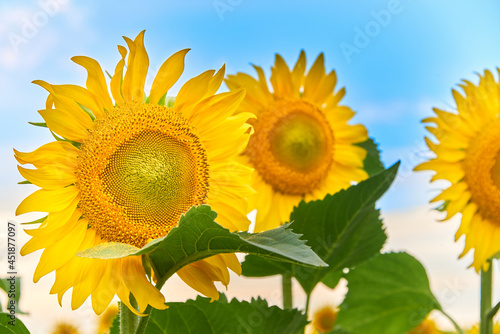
{"type": "Point", "coordinates": [128, 320]}
{"type": "Point", "coordinates": [486, 324]}
{"type": "Point", "coordinates": [493, 311]}
{"type": "Point", "coordinates": [287, 291]}
{"type": "Point", "coordinates": [307, 303]}
{"type": "Point", "coordinates": [457, 327]}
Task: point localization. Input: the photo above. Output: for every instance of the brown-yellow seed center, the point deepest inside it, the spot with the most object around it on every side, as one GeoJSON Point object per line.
{"type": "Point", "coordinates": [482, 171]}
{"type": "Point", "coordinates": [140, 169]}
{"type": "Point", "coordinates": [292, 147]}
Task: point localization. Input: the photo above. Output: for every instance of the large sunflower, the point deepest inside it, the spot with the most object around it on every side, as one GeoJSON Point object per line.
{"type": "Point", "coordinates": [467, 155]}
{"type": "Point", "coordinates": [126, 167]}
{"type": "Point", "coordinates": [302, 147]}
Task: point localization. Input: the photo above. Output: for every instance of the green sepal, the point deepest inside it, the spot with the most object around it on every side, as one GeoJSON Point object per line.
{"type": "Point", "coordinates": [36, 221]}
{"type": "Point", "coordinates": [41, 124]}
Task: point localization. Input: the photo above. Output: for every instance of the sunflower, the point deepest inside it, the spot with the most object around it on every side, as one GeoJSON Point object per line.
{"type": "Point", "coordinates": [475, 329]}
{"type": "Point", "coordinates": [467, 155]}
{"type": "Point", "coordinates": [125, 167]}
{"type": "Point", "coordinates": [426, 327]}
{"type": "Point", "coordinates": [65, 328]}
{"type": "Point", "coordinates": [106, 319]}
{"type": "Point", "coordinates": [323, 320]}
{"type": "Point", "coordinates": [302, 147]}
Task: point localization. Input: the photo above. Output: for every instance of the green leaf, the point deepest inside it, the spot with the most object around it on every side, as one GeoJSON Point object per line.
{"type": "Point", "coordinates": [223, 317]}
{"type": "Point", "coordinates": [387, 294]}
{"type": "Point", "coordinates": [372, 163]}
{"type": "Point", "coordinates": [24, 182]}
{"type": "Point", "coordinates": [12, 294]}
{"type": "Point", "coordinates": [332, 278]}
{"type": "Point", "coordinates": [198, 236]}
{"type": "Point", "coordinates": [11, 325]}
{"type": "Point", "coordinates": [344, 229]}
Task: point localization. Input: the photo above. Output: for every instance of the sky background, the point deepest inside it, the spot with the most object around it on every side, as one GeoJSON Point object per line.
{"type": "Point", "coordinates": [395, 68]}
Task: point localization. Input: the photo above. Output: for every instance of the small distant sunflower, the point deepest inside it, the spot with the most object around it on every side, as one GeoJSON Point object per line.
{"type": "Point", "coordinates": [65, 328]}
{"type": "Point", "coordinates": [426, 327]}
{"type": "Point", "coordinates": [467, 155]}
{"type": "Point", "coordinates": [124, 169]}
{"type": "Point", "coordinates": [323, 320]}
{"type": "Point", "coordinates": [302, 147]}
{"type": "Point", "coordinates": [106, 319]}
{"type": "Point", "coordinates": [475, 329]}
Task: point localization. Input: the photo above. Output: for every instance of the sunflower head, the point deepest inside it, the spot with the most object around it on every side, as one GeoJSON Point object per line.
{"type": "Point", "coordinates": [426, 327]}
{"type": "Point", "coordinates": [303, 146]}
{"type": "Point", "coordinates": [467, 151]}
{"type": "Point", "coordinates": [125, 167]}
{"type": "Point", "coordinates": [323, 320]}
{"type": "Point", "coordinates": [65, 328]}
{"type": "Point", "coordinates": [106, 319]}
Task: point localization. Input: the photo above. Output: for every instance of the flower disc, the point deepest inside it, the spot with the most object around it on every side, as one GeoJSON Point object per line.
{"type": "Point", "coordinates": [291, 147]}
{"type": "Point", "coordinates": [138, 174]}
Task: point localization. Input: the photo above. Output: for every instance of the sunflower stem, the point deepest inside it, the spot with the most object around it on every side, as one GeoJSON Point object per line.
{"type": "Point", "coordinates": [494, 310]}
{"type": "Point", "coordinates": [457, 327]}
{"type": "Point", "coordinates": [128, 320]}
{"type": "Point", "coordinates": [143, 322]}
{"type": "Point", "coordinates": [307, 302]}
{"type": "Point", "coordinates": [486, 324]}
{"type": "Point", "coordinates": [287, 290]}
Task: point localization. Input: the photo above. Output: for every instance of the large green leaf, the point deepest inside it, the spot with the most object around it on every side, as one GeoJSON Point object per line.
{"type": "Point", "coordinates": [198, 236]}
{"type": "Point", "coordinates": [223, 317]}
{"type": "Point", "coordinates": [387, 294]}
{"type": "Point", "coordinates": [11, 325]}
{"type": "Point", "coordinates": [372, 163]}
{"type": "Point", "coordinates": [343, 229]}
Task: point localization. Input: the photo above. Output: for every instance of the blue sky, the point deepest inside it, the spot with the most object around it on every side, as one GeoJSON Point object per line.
{"type": "Point", "coordinates": [406, 63]}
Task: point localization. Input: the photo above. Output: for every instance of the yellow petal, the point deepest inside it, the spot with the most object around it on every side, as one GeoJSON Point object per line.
{"type": "Point", "coordinates": [82, 96]}
{"type": "Point", "coordinates": [47, 200]}
{"type": "Point", "coordinates": [167, 75]}
{"type": "Point", "coordinates": [192, 92]}
{"type": "Point", "coordinates": [298, 73]}
{"type": "Point", "coordinates": [116, 80]}
{"type": "Point", "coordinates": [135, 279]}
{"type": "Point", "coordinates": [65, 103]}
{"type": "Point", "coordinates": [94, 270]}
{"type": "Point", "coordinates": [59, 253]}
{"type": "Point", "coordinates": [198, 280]}
{"type": "Point", "coordinates": [315, 76]}
{"type": "Point", "coordinates": [281, 78]}
{"type": "Point", "coordinates": [96, 82]}
{"type": "Point", "coordinates": [47, 177]}
{"type": "Point", "coordinates": [232, 262]}
{"type": "Point", "coordinates": [59, 153]}
{"type": "Point", "coordinates": [137, 69]}
{"type": "Point", "coordinates": [66, 124]}
{"type": "Point", "coordinates": [106, 289]}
